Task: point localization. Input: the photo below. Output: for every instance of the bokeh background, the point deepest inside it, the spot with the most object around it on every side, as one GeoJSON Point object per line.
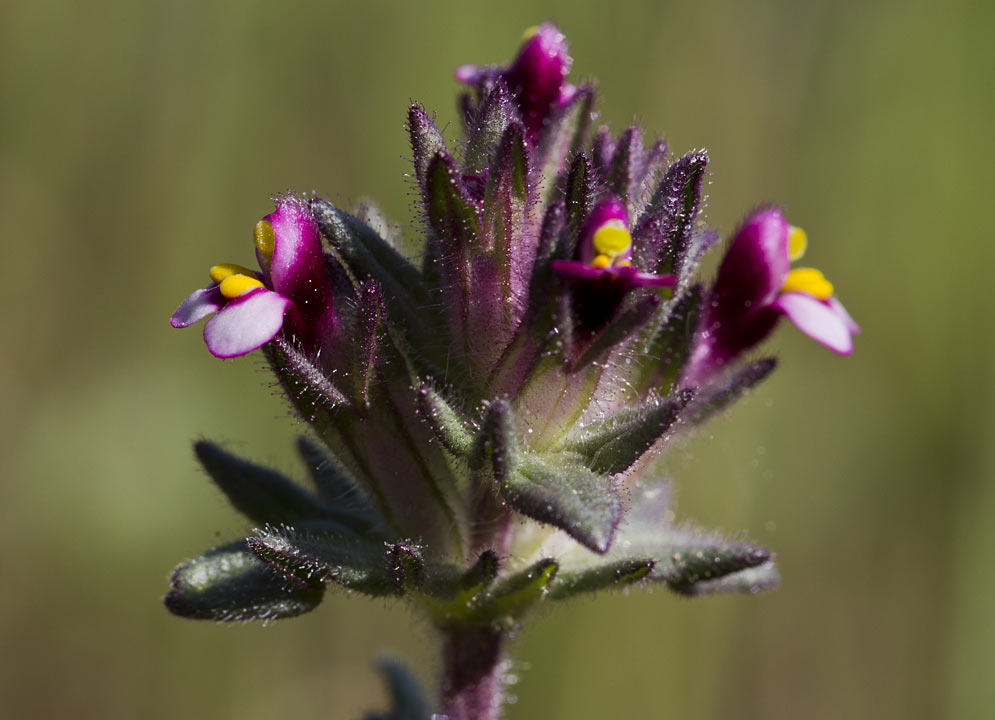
{"type": "Point", "coordinates": [139, 143]}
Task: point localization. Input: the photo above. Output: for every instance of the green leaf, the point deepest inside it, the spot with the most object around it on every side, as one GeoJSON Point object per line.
{"type": "Point", "coordinates": [728, 388]}
{"type": "Point", "coordinates": [609, 576]}
{"type": "Point", "coordinates": [618, 442]}
{"type": "Point", "coordinates": [230, 584]}
{"type": "Point", "coordinates": [346, 501]}
{"type": "Point", "coordinates": [497, 441]}
{"type": "Point", "coordinates": [406, 695]}
{"type": "Point", "coordinates": [452, 430]}
{"type": "Point", "coordinates": [517, 593]}
{"type": "Point", "coordinates": [261, 494]}
{"type": "Point", "coordinates": [569, 496]}
{"type": "Point", "coordinates": [482, 574]}
{"type": "Point", "coordinates": [312, 556]}
{"type": "Point", "coordinates": [701, 569]}
{"type": "Point", "coordinates": [689, 560]}
{"type": "Point", "coordinates": [668, 347]}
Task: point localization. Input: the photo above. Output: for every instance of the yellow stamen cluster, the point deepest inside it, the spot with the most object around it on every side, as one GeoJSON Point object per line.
{"type": "Point", "coordinates": [797, 242]}
{"type": "Point", "coordinates": [234, 280]}
{"type": "Point", "coordinates": [808, 280]}
{"type": "Point", "coordinates": [610, 240]}
{"type": "Point", "coordinates": [265, 240]}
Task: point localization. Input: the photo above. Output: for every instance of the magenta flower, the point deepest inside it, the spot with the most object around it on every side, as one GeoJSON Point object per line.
{"type": "Point", "coordinates": [291, 291]}
{"type": "Point", "coordinates": [537, 76]}
{"type": "Point", "coordinates": [603, 275]}
{"type": "Point", "coordinates": [605, 249]}
{"type": "Point", "coordinates": [755, 287]}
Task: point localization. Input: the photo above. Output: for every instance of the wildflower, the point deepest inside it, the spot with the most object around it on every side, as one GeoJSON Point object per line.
{"type": "Point", "coordinates": [537, 76]}
{"type": "Point", "coordinates": [604, 272]}
{"type": "Point", "coordinates": [755, 286]}
{"type": "Point", "coordinates": [291, 290]}
{"type": "Point", "coordinates": [486, 419]}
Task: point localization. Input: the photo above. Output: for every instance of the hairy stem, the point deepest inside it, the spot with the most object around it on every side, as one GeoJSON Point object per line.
{"type": "Point", "coordinates": [473, 668]}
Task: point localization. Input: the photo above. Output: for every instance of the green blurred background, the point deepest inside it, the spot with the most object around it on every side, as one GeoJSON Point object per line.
{"type": "Point", "coordinates": [139, 142]}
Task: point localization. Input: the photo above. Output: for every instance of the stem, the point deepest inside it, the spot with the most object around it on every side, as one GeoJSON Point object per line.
{"type": "Point", "coordinates": [472, 672]}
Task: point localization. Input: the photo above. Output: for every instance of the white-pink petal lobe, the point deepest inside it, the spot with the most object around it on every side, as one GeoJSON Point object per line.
{"type": "Point", "coordinates": [245, 324]}
{"type": "Point", "coordinates": [817, 319]}
{"type": "Point", "coordinates": [199, 304]}
{"type": "Point", "coordinates": [838, 308]}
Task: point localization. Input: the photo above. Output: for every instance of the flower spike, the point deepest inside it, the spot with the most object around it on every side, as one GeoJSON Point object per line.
{"type": "Point", "coordinates": [487, 393]}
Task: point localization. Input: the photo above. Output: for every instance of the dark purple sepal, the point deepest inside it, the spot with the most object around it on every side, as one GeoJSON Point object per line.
{"type": "Point", "coordinates": [371, 318]}
{"type": "Point", "coordinates": [579, 197]}
{"type": "Point", "coordinates": [426, 141]}
{"type": "Point", "coordinates": [562, 140]}
{"type": "Point", "coordinates": [497, 110]}
{"type": "Point", "coordinates": [626, 168]}
{"type": "Point", "coordinates": [452, 213]}
{"type": "Point", "coordinates": [663, 232]}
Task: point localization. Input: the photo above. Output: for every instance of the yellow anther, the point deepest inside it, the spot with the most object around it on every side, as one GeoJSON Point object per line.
{"type": "Point", "coordinates": [220, 272]}
{"type": "Point", "coordinates": [530, 33]}
{"type": "Point", "coordinates": [612, 238]}
{"type": "Point", "coordinates": [797, 242]}
{"type": "Point", "coordinates": [808, 280]}
{"type": "Point", "coordinates": [235, 285]}
{"type": "Point", "coordinates": [601, 261]}
{"type": "Point", "coordinates": [623, 263]}
{"type": "Point", "coordinates": [265, 239]}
